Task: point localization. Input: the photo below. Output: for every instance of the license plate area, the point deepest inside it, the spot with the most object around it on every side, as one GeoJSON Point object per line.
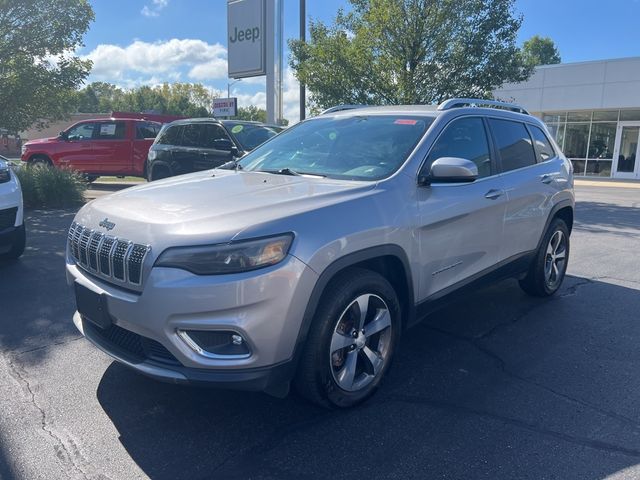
{"type": "Point", "coordinates": [92, 306]}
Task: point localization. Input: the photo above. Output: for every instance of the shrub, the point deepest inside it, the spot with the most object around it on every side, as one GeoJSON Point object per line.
{"type": "Point", "coordinates": [51, 187]}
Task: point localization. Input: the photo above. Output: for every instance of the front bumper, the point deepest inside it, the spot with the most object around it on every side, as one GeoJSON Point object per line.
{"type": "Point", "coordinates": [265, 306]}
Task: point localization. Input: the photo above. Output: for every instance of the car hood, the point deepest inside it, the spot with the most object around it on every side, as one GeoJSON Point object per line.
{"type": "Point", "coordinates": [213, 206]}
{"type": "Point", "coordinates": [38, 141]}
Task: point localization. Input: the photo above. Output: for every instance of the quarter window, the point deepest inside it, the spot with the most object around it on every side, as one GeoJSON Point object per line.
{"type": "Point", "coordinates": [464, 138]}
{"type": "Point", "coordinates": [543, 146]}
{"type": "Point", "coordinates": [514, 144]}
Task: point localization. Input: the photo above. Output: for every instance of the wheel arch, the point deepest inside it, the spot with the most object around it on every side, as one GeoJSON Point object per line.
{"type": "Point", "coordinates": [35, 156]}
{"type": "Point", "coordinates": [390, 261]}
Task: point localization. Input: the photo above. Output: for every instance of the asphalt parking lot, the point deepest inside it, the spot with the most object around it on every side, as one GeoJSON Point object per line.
{"type": "Point", "coordinates": [499, 386]}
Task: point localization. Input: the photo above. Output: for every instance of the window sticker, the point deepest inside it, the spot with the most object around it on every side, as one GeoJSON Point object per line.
{"type": "Point", "coordinates": [107, 129]}
{"type": "Point", "coordinates": [405, 121]}
{"type": "Point", "coordinates": [237, 129]}
{"type": "Point", "coordinates": [332, 136]}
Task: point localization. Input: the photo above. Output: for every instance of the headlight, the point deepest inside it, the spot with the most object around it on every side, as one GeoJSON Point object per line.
{"type": "Point", "coordinates": [152, 155]}
{"type": "Point", "coordinates": [226, 258]}
{"type": "Point", "coordinates": [5, 174]}
{"type": "Point", "coordinates": [23, 149]}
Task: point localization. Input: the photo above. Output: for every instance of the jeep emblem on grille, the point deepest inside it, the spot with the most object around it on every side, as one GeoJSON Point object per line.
{"type": "Point", "coordinates": [107, 224]}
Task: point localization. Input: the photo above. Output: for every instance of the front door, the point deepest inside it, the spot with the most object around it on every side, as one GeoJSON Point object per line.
{"type": "Point", "coordinates": [625, 153]}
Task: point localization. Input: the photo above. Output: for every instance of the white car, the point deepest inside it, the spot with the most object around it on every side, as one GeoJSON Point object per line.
{"type": "Point", "coordinates": [12, 231]}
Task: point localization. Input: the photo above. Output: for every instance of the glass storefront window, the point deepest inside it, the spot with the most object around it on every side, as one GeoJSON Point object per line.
{"type": "Point", "coordinates": [578, 166]}
{"type": "Point", "coordinates": [599, 168]}
{"type": "Point", "coordinates": [603, 137]}
{"type": "Point", "coordinates": [629, 115]}
{"type": "Point", "coordinates": [576, 138]}
{"type": "Point", "coordinates": [554, 117]}
{"type": "Point", "coordinates": [605, 115]}
{"type": "Point", "coordinates": [579, 116]}
{"type": "Point", "coordinates": [557, 132]}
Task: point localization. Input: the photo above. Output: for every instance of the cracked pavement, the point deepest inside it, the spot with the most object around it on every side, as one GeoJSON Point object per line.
{"type": "Point", "coordinates": [498, 385]}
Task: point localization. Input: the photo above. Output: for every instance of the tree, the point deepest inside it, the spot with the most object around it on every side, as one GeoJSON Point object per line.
{"type": "Point", "coordinates": [540, 51]}
{"type": "Point", "coordinates": [38, 73]}
{"type": "Point", "coordinates": [251, 113]}
{"type": "Point", "coordinates": [410, 51]}
{"type": "Point", "coordinates": [185, 99]}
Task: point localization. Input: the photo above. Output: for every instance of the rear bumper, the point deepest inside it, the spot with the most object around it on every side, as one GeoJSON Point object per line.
{"type": "Point", "coordinates": [273, 379]}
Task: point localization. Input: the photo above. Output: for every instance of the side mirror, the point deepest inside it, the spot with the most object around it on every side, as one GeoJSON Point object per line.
{"type": "Point", "coordinates": [63, 136]}
{"type": "Point", "coordinates": [223, 144]}
{"type": "Point", "coordinates": [450, 170]}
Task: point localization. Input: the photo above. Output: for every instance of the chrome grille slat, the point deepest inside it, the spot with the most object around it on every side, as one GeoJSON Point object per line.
{"type": "Point", "coordinates": [117, 260]}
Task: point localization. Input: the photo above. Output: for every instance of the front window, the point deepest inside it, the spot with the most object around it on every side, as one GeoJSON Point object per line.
{"type": "Point", "coordinates": [359, 147]}
{"type": "Point", "coordinates": [249, 136]}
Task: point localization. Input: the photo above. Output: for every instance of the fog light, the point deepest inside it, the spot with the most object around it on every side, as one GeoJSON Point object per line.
{"type": "Point", "coordinates": [216, 343]}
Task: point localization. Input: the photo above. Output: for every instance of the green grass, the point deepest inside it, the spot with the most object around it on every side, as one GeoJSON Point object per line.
{"type": "Point", "coordinates": [51, 187]}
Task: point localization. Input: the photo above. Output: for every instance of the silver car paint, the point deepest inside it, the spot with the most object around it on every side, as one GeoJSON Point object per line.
{"type": "Point", "coordinates": [448, 232]}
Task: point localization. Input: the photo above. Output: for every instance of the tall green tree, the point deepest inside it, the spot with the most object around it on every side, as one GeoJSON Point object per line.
{"type": "Point", "coordinates": [540, 51]}
{"type": "Point", "coordinates": [38, 73]}
{"type": "Point", "coordinates": [251, 113]}
{"type": "Point", "coordinates": [410, 51]}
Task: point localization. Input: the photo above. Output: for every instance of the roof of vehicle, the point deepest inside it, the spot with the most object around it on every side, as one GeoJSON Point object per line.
{"type": "Point", "coordinates": [186, 121]}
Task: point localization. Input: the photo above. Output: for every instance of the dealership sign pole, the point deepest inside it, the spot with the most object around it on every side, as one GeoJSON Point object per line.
{"type": "Point", "coordinates": [254, 33]}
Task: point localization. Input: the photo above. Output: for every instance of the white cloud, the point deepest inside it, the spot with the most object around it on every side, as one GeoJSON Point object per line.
{"type": "Point", "coordinates": [153, 10]}
{"type": "Point", "coordinates": [115, 63]}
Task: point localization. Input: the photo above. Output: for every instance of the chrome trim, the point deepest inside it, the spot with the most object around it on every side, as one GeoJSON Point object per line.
{"type": "Point", "coordinates": [80, 238]}
{"type": "Point", "coordinates": [203, 353]}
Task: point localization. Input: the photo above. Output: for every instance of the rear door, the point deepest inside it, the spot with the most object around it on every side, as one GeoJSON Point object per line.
{"type": "Point", "coordinates": [187, 154]}
{"type": "Point", "coordinates": [111, 148]}
{"type": "Point", "coordinates": [215, 143]}
{"type": "Point", "coordinates": [530, 172]}
{"type": "Point", "coordinates": [460, 230]}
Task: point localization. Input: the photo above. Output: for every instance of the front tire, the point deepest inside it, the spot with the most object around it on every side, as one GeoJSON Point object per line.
{"type": "Point", "coordinates": [351, 342]}
{"type": "Point", "coordinates": [549, 266]}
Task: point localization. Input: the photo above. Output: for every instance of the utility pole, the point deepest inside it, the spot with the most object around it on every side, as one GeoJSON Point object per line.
{"type": "Point", "coordinates": [303, 37]}
{"type": "Point", "coordinates": [275, 24]}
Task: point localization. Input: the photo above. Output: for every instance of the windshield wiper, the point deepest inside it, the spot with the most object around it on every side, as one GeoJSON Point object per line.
{"type": "Point", "coordinates": [295, 173]}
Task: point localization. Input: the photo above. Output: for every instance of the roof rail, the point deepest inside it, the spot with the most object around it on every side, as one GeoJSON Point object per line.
{"type": "Point", "coordinates": [339, 108]}
{"type": "Point", "coordinates": [479, 102]}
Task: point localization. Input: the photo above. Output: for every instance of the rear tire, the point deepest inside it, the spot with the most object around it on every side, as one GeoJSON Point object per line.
{"type": "Point", "coordinates": [19, 243]}
{"type": "Point", "coordinates": [347, 353]}
{"type": "Point", "coordinates": [549, 266]}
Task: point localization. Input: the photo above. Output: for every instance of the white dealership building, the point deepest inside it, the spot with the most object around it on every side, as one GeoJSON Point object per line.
{"type": "Point", "coordinates": [592, 109]}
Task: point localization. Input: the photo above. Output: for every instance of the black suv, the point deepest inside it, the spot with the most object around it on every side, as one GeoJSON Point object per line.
{"type": "Point", "coordinates": [186, 146]}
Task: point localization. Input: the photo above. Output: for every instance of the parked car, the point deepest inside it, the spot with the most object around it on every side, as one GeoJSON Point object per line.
{"type": "Point", "coordinates": [111, 146]}
{"type": "Point", "coordinates": [305, 260]}
{"type": "Point", "coordinates": [192, 145]}
{"type": "Point", "coordinates": [12, 230]}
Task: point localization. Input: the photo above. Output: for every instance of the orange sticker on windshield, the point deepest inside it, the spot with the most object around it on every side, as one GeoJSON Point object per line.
{"type": "Point", "coordinates": [405, 121]}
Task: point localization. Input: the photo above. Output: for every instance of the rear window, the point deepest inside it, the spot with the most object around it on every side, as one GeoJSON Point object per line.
{"type": "Point", "coordinates": [147, 130]}
{"type": "Point", "coordinates": [170, 135]}
{"type": "Point", "coordinates": [514, 144]}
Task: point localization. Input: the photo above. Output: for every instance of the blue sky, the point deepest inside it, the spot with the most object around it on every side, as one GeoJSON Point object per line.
{"type": "Point", "coordinates": [134, 42]}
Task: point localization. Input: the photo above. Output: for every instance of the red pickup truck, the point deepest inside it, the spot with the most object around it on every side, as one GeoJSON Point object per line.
{"type": "Point", "coordinates": [107, 146]}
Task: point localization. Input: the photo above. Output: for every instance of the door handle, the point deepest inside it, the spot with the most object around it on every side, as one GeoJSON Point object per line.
{"type": "Point", "coordinates": [493, 194]}
{"type": "Point", "coordinates": [546, 179]}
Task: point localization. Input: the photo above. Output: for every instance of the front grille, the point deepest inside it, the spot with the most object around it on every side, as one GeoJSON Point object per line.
{"type": "Point", "coordinates": [135, 346]}
{"type": "Point", "coordinates": [117, 260]}
{"type": "Point", "coordinates": [8, 217]}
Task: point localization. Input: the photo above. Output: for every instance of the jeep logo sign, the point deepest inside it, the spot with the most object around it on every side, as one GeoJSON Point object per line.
{"type": "Point", "coordinates": [246, 46]}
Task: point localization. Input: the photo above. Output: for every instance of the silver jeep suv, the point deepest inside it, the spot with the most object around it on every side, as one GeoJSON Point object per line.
{"type": "Point", "coordinates": [303, 262]}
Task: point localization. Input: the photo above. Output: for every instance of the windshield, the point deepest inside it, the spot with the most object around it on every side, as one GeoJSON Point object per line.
{"type": "Point", "coordinates": [249, 136]}
{"type": "Point", "coordinates": [363, 147]}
